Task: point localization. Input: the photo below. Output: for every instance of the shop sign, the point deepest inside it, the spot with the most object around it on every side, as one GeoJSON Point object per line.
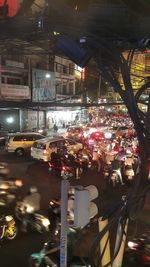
{"type": "Point", "coordinates": [9, 91]}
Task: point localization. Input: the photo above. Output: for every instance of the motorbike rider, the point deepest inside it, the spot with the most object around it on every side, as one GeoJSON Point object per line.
{"type": "Point", "coordinates": [54, 212]}
{"type": "Point", "coordinates": [116, 167]}
{"type": "Point", "coordinates": [31, 204]}
{"type": "Point", "coordinates": [55, 156]}
{"type": "Point", "coordinates": [4, 171]}
{"type": "Point", "coordinates": [96, 158]}
{"type": "Point", "coordinates": [73, 162]}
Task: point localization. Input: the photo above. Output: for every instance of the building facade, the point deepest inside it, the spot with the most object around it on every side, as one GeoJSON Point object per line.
{"type": "Point", "coordinates": [34, 78]}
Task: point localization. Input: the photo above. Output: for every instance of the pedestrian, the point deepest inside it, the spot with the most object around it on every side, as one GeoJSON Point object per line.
{"type": "Point", "coordinates": [55, 128]}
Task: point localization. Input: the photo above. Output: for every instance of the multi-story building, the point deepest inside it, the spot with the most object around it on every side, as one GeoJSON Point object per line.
{"type": "Point", "coordinates": [34, 78]}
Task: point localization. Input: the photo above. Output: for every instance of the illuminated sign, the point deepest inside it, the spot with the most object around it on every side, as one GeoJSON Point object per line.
{"type": "Point", "coordinates": [13, 6]}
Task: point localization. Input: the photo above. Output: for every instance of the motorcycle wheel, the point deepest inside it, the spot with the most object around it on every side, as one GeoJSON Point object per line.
{"type": "Point", "coordinates": [13, 235]}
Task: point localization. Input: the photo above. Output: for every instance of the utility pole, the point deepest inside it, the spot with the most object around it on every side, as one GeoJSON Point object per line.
{"type": "Point", "coordinates": [64, 223]}
{"type": "Point", "coordinates": [118, 260]}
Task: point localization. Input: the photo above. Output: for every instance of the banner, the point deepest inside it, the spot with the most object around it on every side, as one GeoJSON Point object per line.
{"type": "Point", "coordinates": [43, 83]}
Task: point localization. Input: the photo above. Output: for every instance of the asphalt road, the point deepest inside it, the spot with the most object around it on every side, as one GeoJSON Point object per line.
{"type": "Point", "coordinates": [16, 253]}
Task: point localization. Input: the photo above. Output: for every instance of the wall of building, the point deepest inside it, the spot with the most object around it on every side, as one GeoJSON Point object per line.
{"type": "Point", "coordinates": [32, 120]}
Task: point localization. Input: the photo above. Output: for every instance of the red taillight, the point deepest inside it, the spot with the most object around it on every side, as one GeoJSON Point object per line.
{"type": "Point", "coordinates": [97, 134]}
{"type": "Point", "coordinates": [79, 135]}
{"type": "Point", "coordinates": [63, 168]}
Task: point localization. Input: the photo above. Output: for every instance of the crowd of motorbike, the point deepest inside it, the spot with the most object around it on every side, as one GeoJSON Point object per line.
{"type": "Point", "coordinates": [115, 159]}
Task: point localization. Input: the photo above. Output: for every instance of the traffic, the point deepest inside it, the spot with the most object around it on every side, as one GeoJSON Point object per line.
{"type": "Point", "coordinates": [109, 149]}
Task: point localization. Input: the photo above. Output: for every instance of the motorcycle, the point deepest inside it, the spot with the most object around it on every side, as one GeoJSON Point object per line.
{"type": "Point", "coordinates": [138, 252]}
{"type": "Point", "coordinates": [54, 169]}
{"type": "Point", "coordinates": [35, 220]}
{"type": "Point", "coordinates": [128, 172]}
{"type": "Point", "coordinates": [66, 172]}
{"type": "Point", "coordinates": [8, 229]}
{"type": "Point", "coordinates": [8, 191]}
{"type": "Point", "coordinates": [114, 179]}
{"type": "Point", "coordinates": [107, 170]}
{"type": "Point", "coordinates": [49, 256]}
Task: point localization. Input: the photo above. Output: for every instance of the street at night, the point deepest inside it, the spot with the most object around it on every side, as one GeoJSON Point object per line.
{"type": "Point", "coordinates": [74, 133]}
{"type": "Point", "coordinates": [34, 172]}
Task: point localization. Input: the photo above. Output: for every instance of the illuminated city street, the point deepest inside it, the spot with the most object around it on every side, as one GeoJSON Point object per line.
{"type": "Point", "coordinates": [74, 133]}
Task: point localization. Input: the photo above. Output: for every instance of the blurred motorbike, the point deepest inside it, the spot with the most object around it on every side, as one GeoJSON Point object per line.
{"type": "Point", "coordinates": [107, 171]}
{"type": "Point", "coordinates": [138, 252]}
{"type": "Point", "coordinates": [114, 179]}
{"type": "Point", "coordinates": [128, 173]}
{"type": "Point", "coordinates": [49, 256]}
{"type": "Point", "coordinates": [54, 169]}
{"type": "Point", "coordinates": [8, 229]}
{"type": "Point", "coordinates": [35, 220]}
{"type": "Point", "coordinates": [8, 190]}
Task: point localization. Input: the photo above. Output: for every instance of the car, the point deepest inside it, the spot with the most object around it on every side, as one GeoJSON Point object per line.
{"type": "Point", "coordinates": [75, 133]}
{"type": "Point", "coordinates": [124, 131]}
{"type": "Point", "coordinates": [21, 142]}
{"type": "Point", "coordinates": [94, 137]}
{"type": "Point", "coordinates": [121, 131]}
{"type": "Point", "coordinates": [42, 149]}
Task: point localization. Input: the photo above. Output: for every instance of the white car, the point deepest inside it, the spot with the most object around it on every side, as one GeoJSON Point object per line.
{"type": "Point", "coordinates": [42, 149]}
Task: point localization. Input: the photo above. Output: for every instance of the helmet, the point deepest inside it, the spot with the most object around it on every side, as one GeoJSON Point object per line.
{"type": "Point", "coordinates": [33, 189]}
{"type": "Point", "coordinates": [128, 152]}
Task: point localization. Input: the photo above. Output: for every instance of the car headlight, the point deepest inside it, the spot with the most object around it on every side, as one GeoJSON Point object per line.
{"type": "Point", "coordinates": [45, 222]}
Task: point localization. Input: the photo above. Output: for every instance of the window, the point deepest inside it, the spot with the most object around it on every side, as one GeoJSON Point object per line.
{"type": "Point", "coordinates": [71, 69]}
{"type": "Point", "coordinates": [64, 69]}
{"type": "Point", "coordinates": [20, 138]}
{"type": "Point", "coordinates": [53, 145]}
{"type": "Point", "coordinates": [64, 89]}
{"type": "Point", "coordinates": [70, 142]}
{"type": "Point", "coordinates": [13, 81]}
{"type": "Point", "coordinates": [39, 145]}
{"type": "Point", "coordinates": [58, 67]}
{"type": "Point", "coordinates": [37, 137]}
{"type": "Point", "coordinates": [60, 143]}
